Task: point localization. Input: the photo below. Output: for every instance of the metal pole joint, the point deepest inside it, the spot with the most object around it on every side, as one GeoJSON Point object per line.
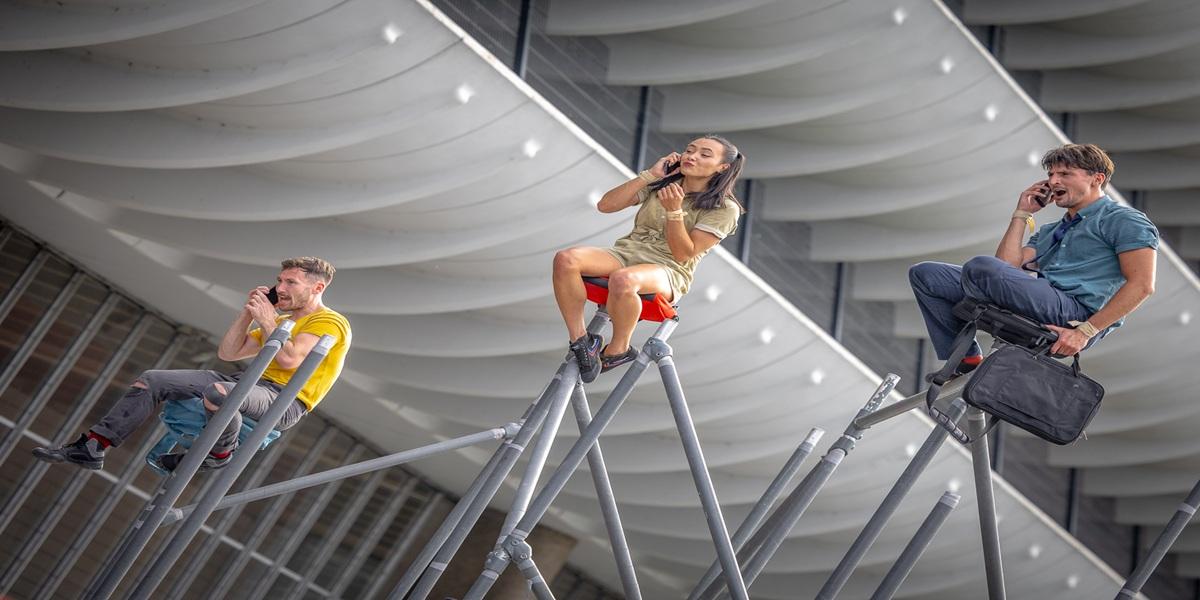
{"type": "Point", "coordinates": [657, 349]}
{"type": "Point", "coordinates": [496, 560]}
{"type": "Point", "coordinates": [511, 430]}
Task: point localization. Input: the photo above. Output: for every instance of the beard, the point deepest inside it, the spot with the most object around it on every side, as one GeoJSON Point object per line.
{"type": "Point", "coordinates": [293, 302]}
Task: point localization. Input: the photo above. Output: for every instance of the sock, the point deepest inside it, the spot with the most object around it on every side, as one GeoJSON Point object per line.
{"type": "Point", "coordinates": [103, 441]}
{"type": "Point", "coordinates": [219, 455]}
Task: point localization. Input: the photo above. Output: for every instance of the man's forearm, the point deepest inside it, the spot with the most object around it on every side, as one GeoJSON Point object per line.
{"type": "Point", "coordinates": [235, 336]}
{"type": "Point", "coordinates": [1126, 300]}
{"type": "Point", "coordinates": [1010, 246]}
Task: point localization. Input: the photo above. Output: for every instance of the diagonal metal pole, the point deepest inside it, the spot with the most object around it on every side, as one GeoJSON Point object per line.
{"type": "Point", "coordinates": [266, 520]}
{"type": "Point", "coordinates": [608, 501]}
{"type": "Point", "coordinates": [891, 502]}
{"type": "Point", "coordinates": [152, 515]}
{"type": "Point", "coordinates": [661, 351]}
{"type": "Point", "coordinates": [981, 463]}
{"type": "Point", "coordinates": [1163, 543]}
{"type": "Point", "coordinates": [126, 542]}
{"type": "Point", "coordinates": [345, 471]}
{"type": "Point", "coordinates": [451, 522]}
{"type": "Point", "coordinates": [224, 479]}
{"type": "Point", "coordinates": [762, 545]}
{"type": "Point", "coordinates": [952, 389]}
{"type": "Point", "coordinates": [296, 536]}
{"type": "Point", "coordinates": [200, 557]}
{"type": "Point", "coordinates": [441, 547]}
{"type": "Point", "coordinates": [510, 452]}
{"type": "Point", "coordinates": [785, 476]}
{"type": "Point", "coordinates": [916, 547]}
{"type": "Point", "coordinates": [94, 521]}
{"type": "Point", "coordinates": [107, 504]}
{"type": "Point", "coordinates": [40, 329]}
{"type": "Point", "coordinates": [500, 558]}
{"type": "Point", "coordinates": [537, 463]}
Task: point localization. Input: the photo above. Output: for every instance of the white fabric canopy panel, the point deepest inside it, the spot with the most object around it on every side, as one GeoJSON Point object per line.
{"type": "Point", "coordinates": [181, 151]}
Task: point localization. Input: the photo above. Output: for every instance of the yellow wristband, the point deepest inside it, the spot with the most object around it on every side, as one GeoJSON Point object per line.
{"type": "Point", "coordinates": [1027, 216]}
{"type": "Point", "coordinates": [1086, 328]}
{"type": "Point", "coordinates": [647, 176]}
{"type": "Point", "coordinates": [676, 215]}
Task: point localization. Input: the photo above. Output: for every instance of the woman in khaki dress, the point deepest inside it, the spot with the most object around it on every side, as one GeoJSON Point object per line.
{"type": "Point", "coordinates": [686, 207]}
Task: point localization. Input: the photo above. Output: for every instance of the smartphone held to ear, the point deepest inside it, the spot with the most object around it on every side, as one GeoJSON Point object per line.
{"type": "Point", "coordinates": [272, 296]}
{"type": "Point", "coordinates": [671, 167]}
{"type": "Point", "coordinates": [1045, 197]}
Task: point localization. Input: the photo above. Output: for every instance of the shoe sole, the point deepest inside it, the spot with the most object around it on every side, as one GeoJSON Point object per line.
{"type": "Point", "coordinates": [54, 457]}
{"type": "Point", "coordinates": [591, 374]}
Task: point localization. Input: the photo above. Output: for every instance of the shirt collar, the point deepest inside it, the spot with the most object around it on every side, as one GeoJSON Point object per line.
{"type": "Point", "coordinates": [1092, 208]}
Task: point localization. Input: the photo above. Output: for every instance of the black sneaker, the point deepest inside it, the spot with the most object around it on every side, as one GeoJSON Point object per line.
{"type": "Point", "coordinates": [608, 363]}
{"type": "Point", "coordinates": [171, 461]}
{"type": "Point", "coordinates": [587, 353]}
{"type": "Point", "coordinates": [85, 452]}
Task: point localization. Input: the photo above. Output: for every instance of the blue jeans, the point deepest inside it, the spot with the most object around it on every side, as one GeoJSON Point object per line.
{"type": "Point", "coordinates": [939, 286]}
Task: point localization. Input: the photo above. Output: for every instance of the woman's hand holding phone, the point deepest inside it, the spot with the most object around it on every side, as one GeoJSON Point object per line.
{"type": "Point", "coordinates": [666, 165]}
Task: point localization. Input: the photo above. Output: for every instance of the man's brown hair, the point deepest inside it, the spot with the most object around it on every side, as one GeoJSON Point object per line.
{"type": "Point", "coordinates": [312, 266]}
{"type": "Point", "coordinates": [1088, 157]}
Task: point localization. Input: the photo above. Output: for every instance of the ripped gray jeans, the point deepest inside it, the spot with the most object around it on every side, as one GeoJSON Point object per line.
{"type": "Point", "coordinates": [139, 403]}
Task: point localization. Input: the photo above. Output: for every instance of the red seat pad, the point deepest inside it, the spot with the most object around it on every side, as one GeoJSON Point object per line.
{"type": "Point", "coordinates": [656, 309]}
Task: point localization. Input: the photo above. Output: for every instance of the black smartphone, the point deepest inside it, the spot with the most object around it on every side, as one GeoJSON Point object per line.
{"type": "Point", "coordinates": [1045, 198]}
{"type": "Point", "coordinates": [671, 166]}
{"type": "Point", "coordinates": [272, 296]}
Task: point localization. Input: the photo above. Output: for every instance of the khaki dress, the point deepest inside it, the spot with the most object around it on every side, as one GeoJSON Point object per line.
{"type": "Point", "coordinates": [647, 243]}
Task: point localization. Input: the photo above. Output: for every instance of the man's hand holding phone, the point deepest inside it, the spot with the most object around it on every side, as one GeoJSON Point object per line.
{"type": "Point", "coordinates": [1035, 197]}
{"type": "Point", "coordinates": [260, 308]}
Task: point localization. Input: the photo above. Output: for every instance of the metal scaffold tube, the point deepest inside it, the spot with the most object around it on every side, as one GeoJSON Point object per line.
{"type": "Point", "coordinates": [162, 501]}
{"type": "Point", "coordinates": [224, 479]}
{"type": "Point", "coordinates": [762, 545]}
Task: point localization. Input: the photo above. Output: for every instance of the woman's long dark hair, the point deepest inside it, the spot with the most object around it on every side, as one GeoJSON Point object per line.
{"type": "Point", "coordinates": [720, 184]}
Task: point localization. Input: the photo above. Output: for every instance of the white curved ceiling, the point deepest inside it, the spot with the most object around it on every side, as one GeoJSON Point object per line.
{"type": "Point", "coordinates": [181, 150]}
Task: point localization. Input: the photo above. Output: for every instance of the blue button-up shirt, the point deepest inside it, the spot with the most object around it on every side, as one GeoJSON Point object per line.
{"type": "Point", "coordinates": [1079, 257]}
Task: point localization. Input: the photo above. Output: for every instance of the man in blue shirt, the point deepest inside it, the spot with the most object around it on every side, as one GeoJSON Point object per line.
{"type": "Point", "coordinates": [1080, 276]}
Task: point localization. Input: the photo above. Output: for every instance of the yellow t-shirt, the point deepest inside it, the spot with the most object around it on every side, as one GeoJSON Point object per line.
{"type": "Point", "coordinates": [324, 321]}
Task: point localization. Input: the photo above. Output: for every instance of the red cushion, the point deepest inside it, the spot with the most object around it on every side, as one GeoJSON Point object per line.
{"type": "Point", "coordinates": [654, 308]}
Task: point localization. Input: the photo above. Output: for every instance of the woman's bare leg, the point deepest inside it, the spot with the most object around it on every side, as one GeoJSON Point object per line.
{"type": "Point", "coordinates": [569, 266]}
{"type": "Point", "coordinates": [624, 305]}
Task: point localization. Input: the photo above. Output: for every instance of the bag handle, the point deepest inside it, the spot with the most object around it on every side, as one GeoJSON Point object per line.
{"type": "Point", "coordinates": [962, 343]}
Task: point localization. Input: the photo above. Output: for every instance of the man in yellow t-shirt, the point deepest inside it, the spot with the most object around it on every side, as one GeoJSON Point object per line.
{"type": "Point", "coordinates": [299, 287]}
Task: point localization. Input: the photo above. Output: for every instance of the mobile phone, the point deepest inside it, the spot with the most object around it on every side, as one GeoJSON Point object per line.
{"type": "Point", "coordinates": [671, 166]}
{"type": "Point", "coordinates": [1045, 197]}
{"type": "Point", "coordinates": [272, 296]}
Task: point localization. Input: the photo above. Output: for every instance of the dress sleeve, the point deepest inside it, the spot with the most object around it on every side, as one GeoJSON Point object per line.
{"type": "Point", "coordinates": [721, 222]}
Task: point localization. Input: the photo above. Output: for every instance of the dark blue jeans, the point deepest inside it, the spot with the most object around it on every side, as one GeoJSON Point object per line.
{"type": "Point", "coordinates": [939, 286]}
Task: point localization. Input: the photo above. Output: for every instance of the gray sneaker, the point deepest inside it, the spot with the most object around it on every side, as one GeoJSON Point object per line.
{"type": "Point", "coordinates": [84, 452]}
{"type": "Point", "coordinates": [587, 353]}
{"type": "Point", "coordinates": [170, 462]}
